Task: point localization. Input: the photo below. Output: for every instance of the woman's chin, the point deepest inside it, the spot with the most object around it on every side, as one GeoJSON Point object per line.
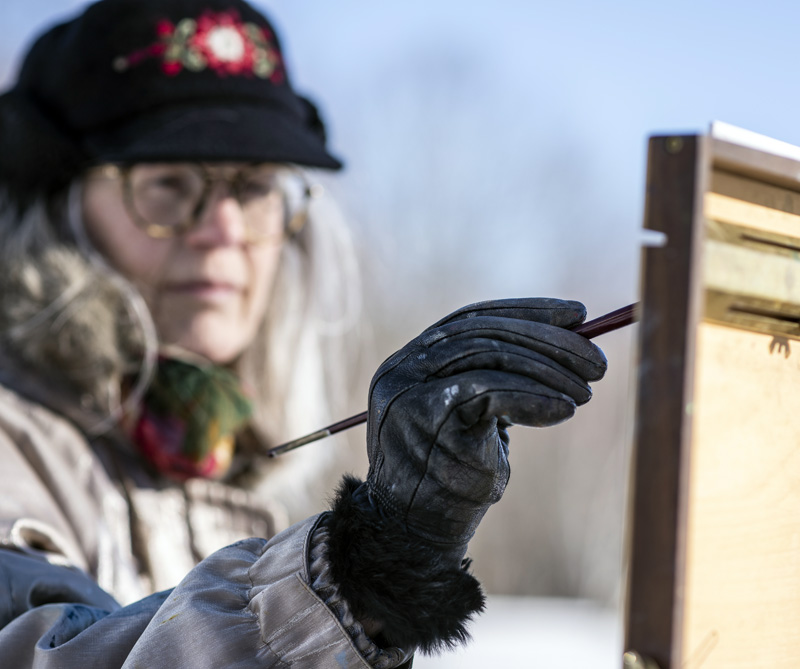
{"type": "Point", "coordinates": [217, 335]}
{"type": "Point", "coordinates": [221, 348]}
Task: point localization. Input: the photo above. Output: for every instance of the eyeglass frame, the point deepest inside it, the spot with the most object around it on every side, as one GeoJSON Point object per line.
{"type": "Point", "coordinates": [294, 225]}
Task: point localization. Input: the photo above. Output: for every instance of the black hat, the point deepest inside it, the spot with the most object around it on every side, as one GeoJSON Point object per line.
{"type": "Point", "coordinates": [153, 80]}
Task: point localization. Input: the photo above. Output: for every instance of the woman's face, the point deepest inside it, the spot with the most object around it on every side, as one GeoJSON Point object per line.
{"type": "Point", "coordinates": [206, 288]}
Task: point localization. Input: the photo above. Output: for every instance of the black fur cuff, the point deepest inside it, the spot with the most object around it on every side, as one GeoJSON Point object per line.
{"type": "Point", "coordinates": [390, 577]}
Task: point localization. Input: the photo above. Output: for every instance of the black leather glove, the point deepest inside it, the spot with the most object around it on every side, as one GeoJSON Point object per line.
{"type": "Point", "coordinates": [439, 409]}
{"type": "Point", "coordinates": [438, 452]}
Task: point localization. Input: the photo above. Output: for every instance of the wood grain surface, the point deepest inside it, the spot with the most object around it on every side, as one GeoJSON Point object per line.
{"type": "Point", "coordinates": [671, 207]}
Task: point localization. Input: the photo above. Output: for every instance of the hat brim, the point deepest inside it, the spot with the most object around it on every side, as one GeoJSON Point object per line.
{"type": "Point", "coordinates": [236, 132]}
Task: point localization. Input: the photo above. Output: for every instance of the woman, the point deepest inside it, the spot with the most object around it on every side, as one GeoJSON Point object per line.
{"type": "Point", "coordinates": [155, 305]}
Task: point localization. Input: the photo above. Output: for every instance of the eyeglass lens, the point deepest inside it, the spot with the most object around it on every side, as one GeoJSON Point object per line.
{"type": "Point", "coordinates": [171, 196]}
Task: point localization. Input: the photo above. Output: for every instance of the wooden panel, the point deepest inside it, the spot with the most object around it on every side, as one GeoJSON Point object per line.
{"type": "Point", "coordinates": [742, 201]}
{"type": "Point", "coordinates": [741, 590]}
{"type": "Point", "coordinates": [671, 206]}
{"type": "Point", "coordinates": [758, 160]}
{"type": "Point", "coordinates": [742, 583]}
{"type": "Point", "coordinates": [745, 271]}
{"type": "Point", "coordinates": [750, 259]}
{"type": "Point", "coordinates": [754, 191]}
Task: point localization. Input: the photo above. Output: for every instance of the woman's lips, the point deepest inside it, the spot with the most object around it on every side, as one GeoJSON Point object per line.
{"type": "Point", "coordinates": [212, 291]}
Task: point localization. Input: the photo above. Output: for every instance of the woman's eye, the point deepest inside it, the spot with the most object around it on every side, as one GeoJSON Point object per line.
{"type": "Point", "coordinates": [258, 187]}
{"type": "Point", "coordinates": [170, 183]}
{"type": "Point", "coordinates": [168, 186]}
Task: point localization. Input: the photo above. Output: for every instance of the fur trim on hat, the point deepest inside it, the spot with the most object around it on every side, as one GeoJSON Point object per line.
{"type": "Point", "coordinates": [393, 578]}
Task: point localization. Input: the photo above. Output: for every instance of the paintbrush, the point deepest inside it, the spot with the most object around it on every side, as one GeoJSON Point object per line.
{"type": "Point", "coordinates": [590, 329]}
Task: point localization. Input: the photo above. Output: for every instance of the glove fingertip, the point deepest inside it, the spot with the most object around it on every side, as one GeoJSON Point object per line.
{"type": "Point", "coordinates": [571, 406]}
{"type": "Point", "coordinates": [547, 411]}
{"type": "Point", "coordinates": [571, 314]}
{"type": "Point", "coordinates": [597, 370]}
{"type": "Point", "coordinates": [583, 399]}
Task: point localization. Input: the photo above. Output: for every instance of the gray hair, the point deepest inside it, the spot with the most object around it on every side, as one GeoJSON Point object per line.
{"type": "Point", "coordinates": [66, 314]}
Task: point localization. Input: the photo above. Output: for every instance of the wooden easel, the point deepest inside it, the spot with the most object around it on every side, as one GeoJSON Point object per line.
{"type": "Point", "coordinates": [714, 524]}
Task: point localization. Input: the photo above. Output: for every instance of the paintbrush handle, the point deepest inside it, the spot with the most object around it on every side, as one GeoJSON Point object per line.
{"type": "Point", "coordinates": [589, 329]}
{"type": "Point", "coordinates": [613, 320]}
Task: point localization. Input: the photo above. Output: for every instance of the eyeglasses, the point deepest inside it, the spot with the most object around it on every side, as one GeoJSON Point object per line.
{"type": "Point", "coordinates": [168, 199]}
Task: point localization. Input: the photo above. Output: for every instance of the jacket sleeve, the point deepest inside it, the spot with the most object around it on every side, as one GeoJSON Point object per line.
{"type": "Point", "coordinates": [253, 604]}
{"type": "Point", "coordinates": [256, 603]}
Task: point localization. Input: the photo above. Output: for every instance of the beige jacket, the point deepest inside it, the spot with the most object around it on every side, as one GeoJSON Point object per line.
{"type": "Point", "coordinates": [85, 534]}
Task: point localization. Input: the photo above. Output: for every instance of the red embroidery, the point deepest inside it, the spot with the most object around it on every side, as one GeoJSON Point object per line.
{"type": "Point", "coordinates": [216, 40]}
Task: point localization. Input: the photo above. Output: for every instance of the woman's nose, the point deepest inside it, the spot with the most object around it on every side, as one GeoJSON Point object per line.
{"type": "Point", "coordinates": [220, 223]}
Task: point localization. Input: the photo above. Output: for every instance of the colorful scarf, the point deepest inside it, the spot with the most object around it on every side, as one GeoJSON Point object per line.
{"type": "Point", "coordinates": [188, 419]}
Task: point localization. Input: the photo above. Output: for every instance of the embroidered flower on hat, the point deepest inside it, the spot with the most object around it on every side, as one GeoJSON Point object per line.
{"type": "Point", "coordinates": [226, 44]}
{"type": "Point", "coordinates": [220, 41]}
